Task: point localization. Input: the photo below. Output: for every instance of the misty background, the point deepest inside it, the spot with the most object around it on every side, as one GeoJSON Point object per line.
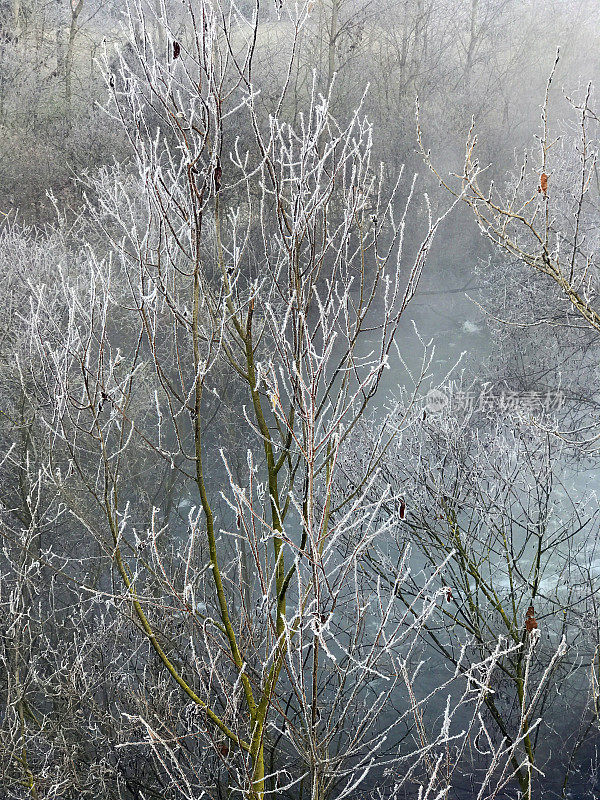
{"type": "Point", "coordinates": [482, 331]}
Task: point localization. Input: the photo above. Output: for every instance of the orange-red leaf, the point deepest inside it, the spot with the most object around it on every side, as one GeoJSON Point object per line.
{"type": "Point", "coordinates": [530, 620]}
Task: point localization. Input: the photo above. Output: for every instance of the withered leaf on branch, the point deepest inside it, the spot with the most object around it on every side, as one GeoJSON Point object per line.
{"type": "Point", "coordinates": [217, 176]}
{"type": "Point", "coordinates": [530, 620]}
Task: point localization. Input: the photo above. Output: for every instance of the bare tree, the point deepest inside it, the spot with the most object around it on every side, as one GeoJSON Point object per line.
{"type": "Point", "coordinates": [490, 498]}
{"type": "Point", "coordinates": [544, 220]}
{"type": "Point", "coordinates": [251, 275]}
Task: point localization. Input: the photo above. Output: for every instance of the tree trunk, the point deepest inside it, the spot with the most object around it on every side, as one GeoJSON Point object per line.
{"type": "Point", "coordinates": [76, 8]}
{"type": "Point", "coordinates": [333, 33]}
